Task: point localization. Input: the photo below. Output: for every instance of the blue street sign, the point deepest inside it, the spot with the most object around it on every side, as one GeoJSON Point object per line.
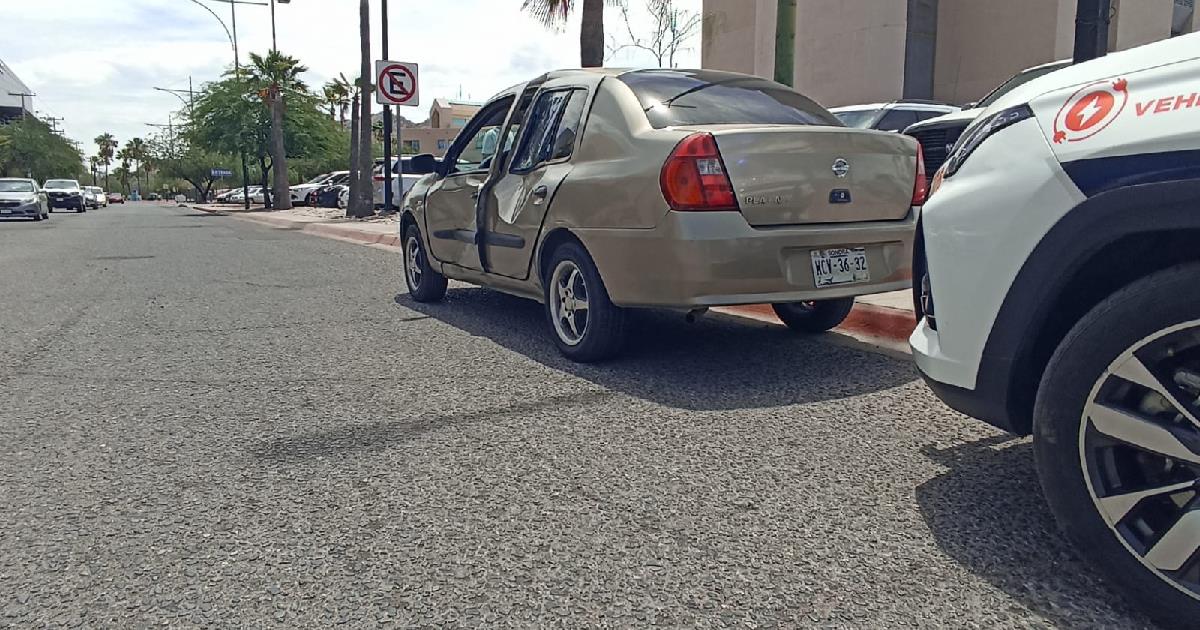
{"type": "Point", "coordinates": [222, 172]}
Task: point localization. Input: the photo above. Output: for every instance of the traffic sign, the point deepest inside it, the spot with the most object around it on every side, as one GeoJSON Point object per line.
{"type": "Point", "coordinates": [221, 172]}
{"type": "Point", "coordinates": [396, 83]}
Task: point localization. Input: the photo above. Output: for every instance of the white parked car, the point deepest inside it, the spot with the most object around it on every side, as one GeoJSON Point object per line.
{"type": "Point", "coordinates": [300, 192]}
{"type": "Point", "coordinates": [99, 199]}
{"type": "Point", "coordinates": [401, 184]}
{"type": "Point", "coordinates": [895, 116]}
{"type": "Point", "coordinates": [1058, 289]}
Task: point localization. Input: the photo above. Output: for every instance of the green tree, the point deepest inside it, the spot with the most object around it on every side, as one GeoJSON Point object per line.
{"type": "Point", "coordinates": [230, 117]}
{"type": "Point", "coordinates": [93, 166]}
{"type": "Point", "coordinates": [785, 42]}
{"type": "Point", "coordinates": [106, 146]}
{"type": "Point", "coordinates": [136, 152]}
{"type": "Point", "coordinates": [178, 158]}
{"type": "Point", "coordinates": [28, 148]}
{"type": "Point", "coordinates": [277, 77]}
{"type": "Point", "coordinates": [554, 13]}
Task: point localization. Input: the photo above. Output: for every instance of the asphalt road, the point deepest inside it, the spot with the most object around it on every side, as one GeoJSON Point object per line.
{"type": "Point", "coordinates": [209, 422]}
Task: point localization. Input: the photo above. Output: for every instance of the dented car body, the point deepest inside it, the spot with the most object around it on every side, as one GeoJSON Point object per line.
{"type": "Point", "coordinates": [668, 188]}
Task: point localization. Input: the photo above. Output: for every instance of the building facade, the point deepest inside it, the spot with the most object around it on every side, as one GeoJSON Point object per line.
{"type": "Point", "coordinates": [863, 51]}
{"type": "Point", "coordinates": [14, 95]}
{"type": "Point", "coordinates": [446, 118]}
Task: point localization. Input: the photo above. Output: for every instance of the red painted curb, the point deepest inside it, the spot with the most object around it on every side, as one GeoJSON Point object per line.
{"type": "Point", "coordinates": [866, 319]}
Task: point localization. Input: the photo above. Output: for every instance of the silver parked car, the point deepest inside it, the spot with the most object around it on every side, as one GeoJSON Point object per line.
{"type": "Point", "coordinates": [23, 198]}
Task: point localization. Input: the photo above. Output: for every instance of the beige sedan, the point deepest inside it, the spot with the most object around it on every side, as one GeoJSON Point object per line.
{"type": "Point", "coordinates": [597, 191]}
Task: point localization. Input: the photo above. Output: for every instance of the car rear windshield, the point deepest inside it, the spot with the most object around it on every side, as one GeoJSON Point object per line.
{"type": "Point", "coordinates": [696, 97]}
{"type": "Point", "coordinates": [16, 186]}
{"type": "Point", "coordinates": [62, 183]}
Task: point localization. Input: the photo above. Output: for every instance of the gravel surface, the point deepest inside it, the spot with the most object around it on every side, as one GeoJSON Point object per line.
{"type": "Point", "coordinates": [209, 422]}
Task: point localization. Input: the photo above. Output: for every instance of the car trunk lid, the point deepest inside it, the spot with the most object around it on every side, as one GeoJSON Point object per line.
{"type": "Point", "coordinates": [786, 174]}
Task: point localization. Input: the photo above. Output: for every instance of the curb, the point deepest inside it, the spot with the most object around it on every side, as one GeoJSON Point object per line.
{"type": "Point", "coordinates": [876, 326]}
{"type": "Point", "coordinates": [347, 233]}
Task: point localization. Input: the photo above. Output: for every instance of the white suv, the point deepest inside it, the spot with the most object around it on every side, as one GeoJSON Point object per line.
{"type": "Point", "coordinates": [1058, 285]}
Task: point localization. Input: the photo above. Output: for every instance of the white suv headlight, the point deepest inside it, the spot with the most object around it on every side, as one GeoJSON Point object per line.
{"type": "Point", "coordinates": [983, 129]}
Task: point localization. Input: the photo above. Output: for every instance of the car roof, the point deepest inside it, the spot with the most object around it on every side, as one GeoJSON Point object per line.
{"type": "Point", "coordinates": [17, 179]}
{"type": "Point", "coordinates": [917, 105]}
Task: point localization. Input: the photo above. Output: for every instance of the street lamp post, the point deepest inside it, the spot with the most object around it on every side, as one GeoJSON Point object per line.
{"type": "Point", "coordinates": [237, 71]}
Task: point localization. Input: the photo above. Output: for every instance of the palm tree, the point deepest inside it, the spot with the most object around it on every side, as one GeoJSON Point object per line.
{"type": "Point", "coordinates": [135, 150]}
{"type": "Point", "coordinates": [93, 164]}
{"type": "Point", "coordinates": [106, 145]}
{"type": "Point", "coordinates": [785, 42]}
{"type": "Point", "coordinates": [123, 169]}
{"type": "Point", "coordinates": [277, 75]}
{"type": "Point", "coordinates": [363, 202]}
{"type": "Point", "coordinates": [336, 95]}
{"type": "Point", "coordinates": [554, 13]}
{"type": "Point", "coordinates": [347, 91]}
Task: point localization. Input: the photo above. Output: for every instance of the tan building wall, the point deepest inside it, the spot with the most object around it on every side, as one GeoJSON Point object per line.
{"type": "Point", "coordinates": [833, 36]}
{"type": "Point", "coordinates": [981, 44]}
{"type": "Point", "coordinates": [853, 51]}
{"type": "Point", "coordinates": [732, 34]}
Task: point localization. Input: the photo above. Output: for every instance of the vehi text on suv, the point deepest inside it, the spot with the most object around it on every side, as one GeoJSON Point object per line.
{"type": "Point", "coordinates": [1058, 288]}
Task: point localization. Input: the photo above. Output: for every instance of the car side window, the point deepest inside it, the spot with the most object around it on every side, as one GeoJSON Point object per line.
{"type": "Point", "coordinates": [896, 120]}
{"type": "Point", "coordinates": [471, 153]}
{"type": "Point", "coordinates": [552, 128]}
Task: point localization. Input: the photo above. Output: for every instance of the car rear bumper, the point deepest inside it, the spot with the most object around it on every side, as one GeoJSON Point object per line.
{"type": "Point", "coordinates": [19, 211]}
{"type": "Point", "coordinates": [699, 259]}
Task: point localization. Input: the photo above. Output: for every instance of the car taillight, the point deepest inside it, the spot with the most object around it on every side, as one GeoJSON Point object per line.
{"type": "Point", "coordinates": [694, 177]}
{"type": "Point", "coordinates": [921, 185]}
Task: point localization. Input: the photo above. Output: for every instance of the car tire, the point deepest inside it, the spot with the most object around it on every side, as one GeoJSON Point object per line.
{"type": "Point", "coordinates": [570, 273]}
{"type": "Point", "coordinates": [1094, 370]}
{"type": "Point", "coordinates": [815, 316]}
{"type": "Point", "coordinates": [424, 284]}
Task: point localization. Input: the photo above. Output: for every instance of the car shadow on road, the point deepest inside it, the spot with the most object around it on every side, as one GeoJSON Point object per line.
{"type": "Point", "coordinates": [988, 514]}
{"type": "Point", "coordinates": [713, 364]}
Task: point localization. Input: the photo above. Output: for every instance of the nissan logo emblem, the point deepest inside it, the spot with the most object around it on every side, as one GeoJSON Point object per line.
{"type": "Point", "coordinates": [841, 167]}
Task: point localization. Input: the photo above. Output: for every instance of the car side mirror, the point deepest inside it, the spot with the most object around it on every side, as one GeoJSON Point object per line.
{"type": "Point", "coordinates": [971, 105]}
{"type": "Point", "coordinates": [564, 145]}
{"type": "Point", "coordinates": [423, 164]}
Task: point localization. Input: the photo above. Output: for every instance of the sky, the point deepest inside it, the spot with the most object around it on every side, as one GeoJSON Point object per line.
{"type": "Point", "coordinates": [95, 62]}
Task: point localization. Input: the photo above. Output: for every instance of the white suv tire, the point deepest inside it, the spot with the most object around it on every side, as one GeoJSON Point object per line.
{"type": "Point", "coordinates": [1089, 476]}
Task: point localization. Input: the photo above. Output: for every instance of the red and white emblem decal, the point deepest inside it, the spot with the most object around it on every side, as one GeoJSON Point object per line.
{"type": "Point", "coordinates": [1090, 110]}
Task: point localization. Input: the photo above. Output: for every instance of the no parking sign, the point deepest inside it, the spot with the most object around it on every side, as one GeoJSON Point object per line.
{"type": "Point", "coordinates": [396, 83]}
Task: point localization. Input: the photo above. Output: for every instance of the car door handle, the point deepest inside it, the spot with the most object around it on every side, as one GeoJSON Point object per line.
{"type": "Point", "coordinates": [541, 191]}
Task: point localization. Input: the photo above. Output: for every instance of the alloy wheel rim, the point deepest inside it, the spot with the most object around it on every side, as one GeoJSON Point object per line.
{"type": "Point", "coordinates": [412, 262]}
{"type": "Point", "coordinates": [1139, 444]}
{"type": "Point", "coordinates": [569, 305]}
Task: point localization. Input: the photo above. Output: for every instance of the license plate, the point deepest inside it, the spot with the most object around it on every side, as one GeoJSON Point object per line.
{"type": "Point", "coordinates": [832, 267]}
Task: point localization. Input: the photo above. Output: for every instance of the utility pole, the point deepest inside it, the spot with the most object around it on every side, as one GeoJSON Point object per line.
{"type": "Point", "coordinates": [387, 126]}
{"type": "Point", "coordinates": [53, 122]}
{"type": "Point", "coordinates": [1092, 18]}
{"type": "Point", "coordinates": [23, 96]}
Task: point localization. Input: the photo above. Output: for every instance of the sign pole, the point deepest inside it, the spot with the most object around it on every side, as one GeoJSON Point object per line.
{"type": "Point", "coordinates": [387, 126]}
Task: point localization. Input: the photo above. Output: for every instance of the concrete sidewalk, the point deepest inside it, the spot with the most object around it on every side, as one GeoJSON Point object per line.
{"type": "Point", "coordinates": [884, 320]}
